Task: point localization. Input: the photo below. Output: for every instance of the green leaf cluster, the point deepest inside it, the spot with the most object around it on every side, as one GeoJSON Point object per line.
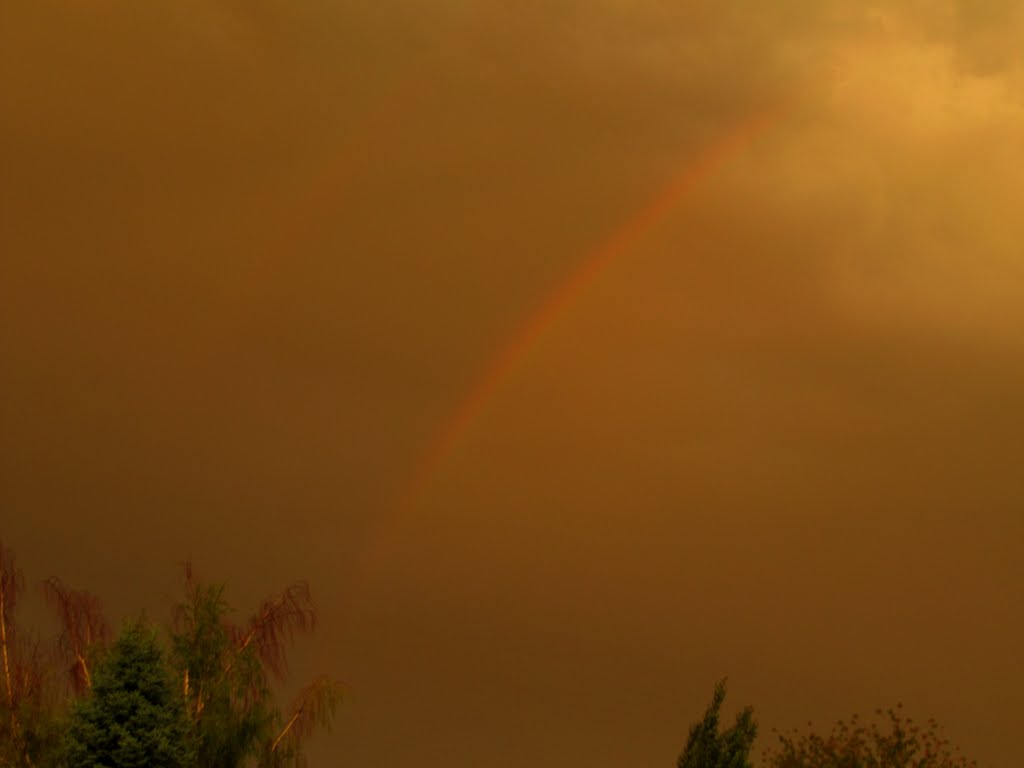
{"type": "Point", "coordinates": [228, 697]}
{"type": "Point", "coordinates": [225, 670]}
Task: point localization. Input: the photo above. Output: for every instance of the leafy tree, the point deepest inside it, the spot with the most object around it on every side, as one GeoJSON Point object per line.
{"type": "Point", "coordinates": [28, 727]}
{"type": "Point", "coordinates": [132, 717]}
{"type": "Point", "coordinates": [227, 696]}
{"type": "Point", "coordinates": [706, 747]}
{"type": "Point", "coordinates": [904, 744]}
{"type": "Point", "coordinates": [219, 675]}
{"type": "Point", "coordinates": [226, 669]}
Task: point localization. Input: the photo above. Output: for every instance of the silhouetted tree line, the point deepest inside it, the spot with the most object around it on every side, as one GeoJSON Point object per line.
{"type": "Point", "coordinates": [195, 695]}
{"type": "Point", "coordinates": [198, 695]}
{"type": "Point", "coordinates": [898, 742]}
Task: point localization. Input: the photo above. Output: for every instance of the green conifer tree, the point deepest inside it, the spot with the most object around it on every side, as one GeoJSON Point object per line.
{"type": "Point", "coordinates": [132, 717]}
{"type": "Point", "coordinates": [707, 748]}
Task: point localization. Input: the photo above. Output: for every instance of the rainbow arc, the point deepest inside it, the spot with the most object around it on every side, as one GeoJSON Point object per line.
{"type": "Point", "coordinates": [620, 240]}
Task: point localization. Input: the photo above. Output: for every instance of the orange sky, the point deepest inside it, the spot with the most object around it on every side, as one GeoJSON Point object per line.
{"type": "Point", "coordinates": [257, 257]}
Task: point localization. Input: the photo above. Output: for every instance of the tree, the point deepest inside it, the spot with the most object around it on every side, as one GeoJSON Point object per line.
{"type": "Point", "coordinates": [225, 672]}
{"type": "Point", "coordinates": [132, 717]}
{"type": "Point", "coordinates": [84, 631]}
{"type": "Point", "coordinates": [707, 748]}
{"type": "Point", "coordinates": [11, 582]}
{"type": "Point", "coordinates": [226, 692]}
{"type": "Point", "coordinates": [82, 703]}
{"type": "Point", "coordinates": [28, 726]}
{"type": "Point", "coordinates": [904, 744]}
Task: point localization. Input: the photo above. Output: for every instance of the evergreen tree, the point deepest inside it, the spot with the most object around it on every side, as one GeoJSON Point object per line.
{"type": "Point", "coordinates": [132, 717]}
{"type": "Point", "coordinates": [707, 748]}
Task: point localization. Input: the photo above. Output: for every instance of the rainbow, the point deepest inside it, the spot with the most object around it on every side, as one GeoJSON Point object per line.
{"type": "Point", "coordinates": [620, 240]}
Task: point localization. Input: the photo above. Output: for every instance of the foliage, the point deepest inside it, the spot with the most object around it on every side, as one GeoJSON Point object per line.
{"type": "Point", "coordinates": [211, 692]}
{"type": "Point", "coordinates": [28, 726]}
{"type": "Point", "coordinates": [707, 748]}
{"type": "Point", "coordinates": [226, 670]}
{"type": "Point", "coordinates": [132, 717]}
{"type": "Point", "coordinates": [227, 697]}
{"type": "Point", "coordinates": [904, 744]}
{"type": "Point", "coordinates": [84, 631]}
{"type": "Point", "coordinates": [313, 708]}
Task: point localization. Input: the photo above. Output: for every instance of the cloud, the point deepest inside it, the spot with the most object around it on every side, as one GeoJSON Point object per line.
{"type": "Point", "coordinates": [902, 167]}
{"type": "Point", "coordinates": [920, 161]}
{"type": "Point", "coordinates": [257, 251]}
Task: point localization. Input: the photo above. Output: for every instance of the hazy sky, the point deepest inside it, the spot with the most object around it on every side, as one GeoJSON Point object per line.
{"type": "Point", "coordinates": [256, 257]}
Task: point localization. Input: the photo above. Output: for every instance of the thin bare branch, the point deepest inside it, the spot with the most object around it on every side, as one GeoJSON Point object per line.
{"type": "Point", "coordinates": [313, 708]}
{"type": "Point", "coordinates": [287, 729]}
{"type": "Point", "coordinates": [274, 627]}
{"type": "Point", "coordinates": [83, 627]}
